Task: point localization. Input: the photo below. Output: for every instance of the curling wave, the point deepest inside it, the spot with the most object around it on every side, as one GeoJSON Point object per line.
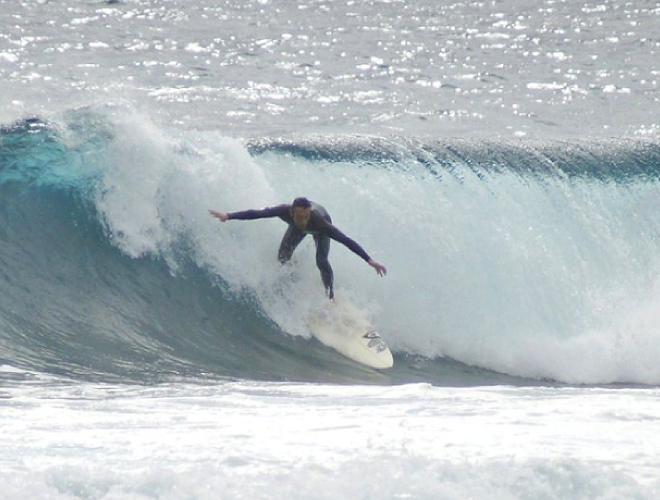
{"type": "Point", "coordinates": [509, 262]}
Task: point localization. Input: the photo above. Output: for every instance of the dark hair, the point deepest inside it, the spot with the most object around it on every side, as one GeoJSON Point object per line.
{"type": "Point", "coordinates": [301, 202]}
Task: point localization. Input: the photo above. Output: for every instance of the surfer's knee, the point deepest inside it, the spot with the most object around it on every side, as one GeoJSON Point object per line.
{"type": "Point", "coordinates": [285, 252]}
{"type": "Point", "coordinates": [322, 252]}
{"type": "Point", "coordinates": [323, 264]}
{"type": "Point", "coordinates": [327, 276]}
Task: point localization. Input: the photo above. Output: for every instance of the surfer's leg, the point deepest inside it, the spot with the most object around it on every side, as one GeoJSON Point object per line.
{"type": "Point", "coordinates": [290, 241]}
{"type": "Point", "coordinates": [322, 251]}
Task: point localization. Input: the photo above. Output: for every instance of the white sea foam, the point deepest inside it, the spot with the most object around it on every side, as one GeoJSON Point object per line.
{"type": "Point", "coordinates": [289, 441]}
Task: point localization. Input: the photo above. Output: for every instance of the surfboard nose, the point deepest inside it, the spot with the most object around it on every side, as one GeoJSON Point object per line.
{"type": "Point", "coordinates": [349, 332]}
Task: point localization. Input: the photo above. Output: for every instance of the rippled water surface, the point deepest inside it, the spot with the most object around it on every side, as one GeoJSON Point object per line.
{"type": "Point", "coordinates": [515, 69]}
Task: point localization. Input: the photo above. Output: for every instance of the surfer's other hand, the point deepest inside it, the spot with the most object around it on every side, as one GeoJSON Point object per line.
{"type": "Point", "coordinates": [380, 269]}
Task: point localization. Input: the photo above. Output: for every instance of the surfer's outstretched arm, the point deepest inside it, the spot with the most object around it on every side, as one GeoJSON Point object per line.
{"type": "Point", "coordinates": [278, 211]}
{"type": "Point", "coordinates": [352, 245]}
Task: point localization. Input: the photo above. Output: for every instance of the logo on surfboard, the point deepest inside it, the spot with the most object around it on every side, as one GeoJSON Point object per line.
{"type": "Point", "coordinates": [375, 341]}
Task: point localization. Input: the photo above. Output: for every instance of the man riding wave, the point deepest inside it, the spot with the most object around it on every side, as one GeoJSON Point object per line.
{"type": "Point", "coordinates": [306, 217]}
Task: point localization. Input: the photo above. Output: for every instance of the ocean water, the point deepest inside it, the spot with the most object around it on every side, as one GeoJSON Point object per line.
{"type": "Point", "coordinates": [502, 159]}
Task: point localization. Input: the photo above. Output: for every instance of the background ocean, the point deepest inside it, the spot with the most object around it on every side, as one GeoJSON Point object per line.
{"type": "Point", "coordinates": [502, 159]}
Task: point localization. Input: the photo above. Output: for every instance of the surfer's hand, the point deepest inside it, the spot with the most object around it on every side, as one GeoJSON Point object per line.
{"type": "Point", "coordinates": [380, 269]}
{"type": "Point", "coordinates": [219, 215]}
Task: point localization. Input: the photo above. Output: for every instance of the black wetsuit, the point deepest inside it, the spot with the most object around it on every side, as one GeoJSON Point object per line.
{"type": "Point", "coordinates": [319, 225]}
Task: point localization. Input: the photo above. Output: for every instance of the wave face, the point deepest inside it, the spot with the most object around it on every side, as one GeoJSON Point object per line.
{"type": "Point", "coordinates": [509, 262]}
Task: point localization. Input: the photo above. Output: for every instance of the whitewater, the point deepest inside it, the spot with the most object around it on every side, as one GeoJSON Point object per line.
{"type": "Point", "coordinates": [501, 159]}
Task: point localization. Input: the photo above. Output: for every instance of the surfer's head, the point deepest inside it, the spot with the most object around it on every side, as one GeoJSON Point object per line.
{"type": "Point", "coordinates": [301, 210]}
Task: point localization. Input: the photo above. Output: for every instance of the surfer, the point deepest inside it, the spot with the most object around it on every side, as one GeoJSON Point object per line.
{"type": "Point", "coordinates": [306, 217]}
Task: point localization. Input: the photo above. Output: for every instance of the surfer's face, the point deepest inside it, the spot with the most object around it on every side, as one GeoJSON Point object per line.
{"type": "Point", "coordinates": [301, 217]}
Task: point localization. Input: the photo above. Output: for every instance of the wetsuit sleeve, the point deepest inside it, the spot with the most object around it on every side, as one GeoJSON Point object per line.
{"type": "Point", "coordinates": [352, 245]}
{"type": "Point", "coordinates": [278, 211]}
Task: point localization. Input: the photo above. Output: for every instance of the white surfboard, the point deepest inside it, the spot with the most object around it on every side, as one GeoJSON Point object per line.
{"type": "Point", "coordinates": [344, 328]}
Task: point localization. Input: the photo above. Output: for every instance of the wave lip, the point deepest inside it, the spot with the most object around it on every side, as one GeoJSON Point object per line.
{"type": "Point", "coordinates": [622, 160]}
